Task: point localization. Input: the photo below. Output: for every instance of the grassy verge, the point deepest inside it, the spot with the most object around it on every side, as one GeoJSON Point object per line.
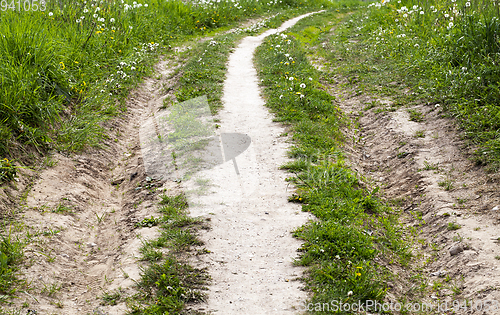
{"type": "Point", "coordinates": [10, 255]}
{"type": "Point", "coordinates": [205, 72]}
{"type": "Point", "coordinates": [356, 235]}
{"type": "Point", "coordinates": [447, 52]}
{"type": "Point", "coordinates": [168, 282]}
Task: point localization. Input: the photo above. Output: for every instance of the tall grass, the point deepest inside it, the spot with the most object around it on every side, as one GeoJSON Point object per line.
{"type": "Point", "coordinates": [450, 51]}
{"type": "Point", "coordinates": [10, 255]}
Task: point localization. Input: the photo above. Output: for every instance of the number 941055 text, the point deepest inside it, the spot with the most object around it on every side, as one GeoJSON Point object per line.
{"type": "Point", "coordinates": [23, 5]}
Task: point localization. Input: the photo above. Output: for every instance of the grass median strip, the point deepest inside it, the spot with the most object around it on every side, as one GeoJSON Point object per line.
{"type": "Point", "coordinates": [169, 282]}
{"type": "Point", "coordinates": [356, 235]}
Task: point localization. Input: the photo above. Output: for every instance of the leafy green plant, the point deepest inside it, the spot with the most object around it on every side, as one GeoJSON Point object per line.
{"type": "Point", "coordinates": [420, 134]}
{"type": "Point", "coordinates": [7, 170]}
{"type": "Point", "coordinates": [10, 255]}
{"type": "Point", "coordinates": [415, 115]}
{"type": "Point", "coordinates": [452, 226]}
{"type": "Point", "coordinates": [446, 184]}
{"type": "Point", "coordinates": [148, 222]}
{"type": "Point", "coordinates": [111, 298]}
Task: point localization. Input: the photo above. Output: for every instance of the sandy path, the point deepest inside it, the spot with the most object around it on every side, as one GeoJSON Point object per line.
{"type": "Point", "coordinates": [251, 246]}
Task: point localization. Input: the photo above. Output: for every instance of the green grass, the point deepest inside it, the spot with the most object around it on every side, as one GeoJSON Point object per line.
{"type": "Point", "coordinates": [7, 170]}
{"type": "Point", "coordinates": [415, 115]}
{"type": "Point", "coordinates": [69, 68]}
{"type": "Point", "coordinates": [10, 257]}
{"type": "Point", "coordinates": [452, 226]}
{"type": "Point", "coordinates": [446, 184]}
{"type": "Point", "coordinates": [204, 74]}
{"type": "Point", "coordinates": [168, 282]}
{"type": "Point", "coordinates": [354, 227]}
{"type": "Point", "coordinates": [420, 59]}
{"type": "Point", "coordinates": [431, 166]}
{"type": "Point", "coordinates": [111, 298]}
{"type": "Point", "coordinates": [448, 53]}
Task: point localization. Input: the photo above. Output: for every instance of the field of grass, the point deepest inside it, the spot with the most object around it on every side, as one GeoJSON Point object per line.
{"type": "Point", "coordinates": [168, 283]}
{"type": "Point", "coordinates": [66, 70]}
